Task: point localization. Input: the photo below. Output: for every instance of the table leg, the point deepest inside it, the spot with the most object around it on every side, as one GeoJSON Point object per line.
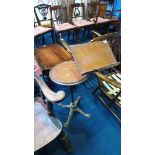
{"type": "Point", "coordinates": [69, 117]}
{"type": "Point", "coordinates": [65, 141]}
{"type": "Point", "coordinates": [73, 107]}
{"type": "Point", "coordinates": [82, 112]}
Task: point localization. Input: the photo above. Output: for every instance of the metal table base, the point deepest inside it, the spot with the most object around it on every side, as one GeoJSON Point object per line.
{"type": "Point", "coordinates": [73, 108]}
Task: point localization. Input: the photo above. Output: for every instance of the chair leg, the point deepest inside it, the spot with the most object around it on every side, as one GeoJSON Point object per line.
{"type": "Point", "coordinates": [77, 33]}
{"type": "Point", "coordinates": [52, 36]}
{"type": "Point", "coordinates": [69, 35]}
{"type": "Point", "coordinates": [73, 35]}
{"type": "Point", "coordinates": [36, 42]}
{"type": "Point", "coordinates": [84, 31]}
{"type": "Point", "coordinates": [65, 142]}
{"type": "Point", "coordinates": [43, 40]}
{"type": "Point", "coordinates": [56, 36]}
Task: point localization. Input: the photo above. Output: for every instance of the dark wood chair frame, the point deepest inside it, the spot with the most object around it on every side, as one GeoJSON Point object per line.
{"type": "Point", "coordinates": [94, 12]}
{"type": "Point", "coordinates": [114, 41]}
{"type": "Point", "coordinates": [61, 18]}
{"type": "Point", "coordinates": [110, 14]}
{"type": "Point", "coordinates": [48, 105]}
{"type": "Point", "coordinates": [93, 9]}
{"type": "Point", "coordinates": [42, 6]}
{"type": "Point", "coordinates": [74, 15]}
{"type": "Point", "coordinates": [101, 10]}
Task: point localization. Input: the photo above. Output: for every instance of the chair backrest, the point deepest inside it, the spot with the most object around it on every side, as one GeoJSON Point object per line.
{"type": "Point", "coordinates": [102, 10]}
{"type": "Point", "coordinates": [114, 40]}
{"type": "Point", "coordinates": [77, 11]}
{"type": "Point", "coordinates": [42, 13]}
{"type": "Point", "coordinates": [110, 8]}
{"type": "Point", "coordinates": [49, 94]}
{"type": "Point", "coordinates": [93, 9]}
{"type": "Point", "coordinates": [59, 14]}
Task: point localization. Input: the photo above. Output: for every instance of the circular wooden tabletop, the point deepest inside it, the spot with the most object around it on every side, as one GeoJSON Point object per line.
{"type": "Point", "coordinates": [66, 73]}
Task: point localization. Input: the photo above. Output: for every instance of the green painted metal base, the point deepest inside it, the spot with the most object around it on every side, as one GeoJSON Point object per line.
{"type": "Point", "coordinates": [73, 108]}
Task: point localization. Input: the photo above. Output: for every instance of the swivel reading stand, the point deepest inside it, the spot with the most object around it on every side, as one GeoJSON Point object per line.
{"type": "Point", "coordinates": [67, 74]}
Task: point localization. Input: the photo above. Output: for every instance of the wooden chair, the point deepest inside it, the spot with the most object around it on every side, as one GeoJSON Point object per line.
{"type": "Point", "coordinates": [110, 79]}
{"type": "Point", "coordinates": [51, 96]}
{"type": "Point", "coordinates": [96, 13]}
{"type": "Point", "coordinates": [46, 126]}
{"type": "Point", "coordinates": [43, 15]}
{"type": "Point", "coordinates": [110, 14]}
{"type": "Point", "coordinates": [77, 14]}
{"type": "Point", "coordinates": [114, 40]}
{"type": "Point", "coordinates": [60, 20]}
{"type": "Point", "coordinates": [43, 24]}
{"type": "Point", "coordinates": [46, 129]}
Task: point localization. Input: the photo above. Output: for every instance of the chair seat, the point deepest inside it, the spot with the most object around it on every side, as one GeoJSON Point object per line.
{"type": "Point", "coordinates": [82, 23]}
{"type": "Point", "coordinates": [111, 89]}
{"type": "Point", "coordinates": [46, 128]}
{"type": "Point", "coordinates": [40, 30]}
{"type": "Point", "coordinates": [64, 27]}
{"type": "Point", "coordinates": [100, 20]}
{"type": "Point", "coordinates": [46, 24]}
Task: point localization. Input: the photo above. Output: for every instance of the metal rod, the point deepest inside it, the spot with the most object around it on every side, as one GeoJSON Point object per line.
{"type": "Point", "coordinates": [109, 108]}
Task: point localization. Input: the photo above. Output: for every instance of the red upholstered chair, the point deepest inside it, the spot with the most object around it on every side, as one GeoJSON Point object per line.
{"type": "Point", "coordinates": [110, 14]}
{"type": "Point", "coordinates": [40, 31]}
{"type": "Point", "coordinates": [100, 14]}
{"type": "Point", "coordinates": [60, 20]}
{"type": "Point", "coordinates": [77, 14]}
{"type": "Point", "coordinates": [43, 15]}
{"type": "Point", "coordinates": [94, 12]}
{"type": "Point", "coordinates": [43, 24]}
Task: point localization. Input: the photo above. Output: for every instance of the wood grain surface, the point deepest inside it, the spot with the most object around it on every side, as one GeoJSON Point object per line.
{"type": "Point", "coordinates": [66, 73]}
{"type": "Point", "coordinates": [51, 55]}
{"type": "Point", "coordinates": [92, 56]}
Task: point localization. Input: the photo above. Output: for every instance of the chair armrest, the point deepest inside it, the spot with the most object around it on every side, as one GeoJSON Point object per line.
{"type": "Point", "coordinates": [49, 94]}
{"type": "Point", "coordinates": [96, 33]}
{"type": "Point", "coordinates": [66, 46]}
{"type": "Point", "coordinates": [104, 78]}
{"type": "Point", "coordinates": [100, 38]}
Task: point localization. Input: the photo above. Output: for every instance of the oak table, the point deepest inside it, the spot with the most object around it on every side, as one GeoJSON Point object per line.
{"type": "Point", "coordinates": [90, 57]}
{"type": "Point", "coordinates": [51, 55]}
{"type": "Point", "coordinates": [67, 74]}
